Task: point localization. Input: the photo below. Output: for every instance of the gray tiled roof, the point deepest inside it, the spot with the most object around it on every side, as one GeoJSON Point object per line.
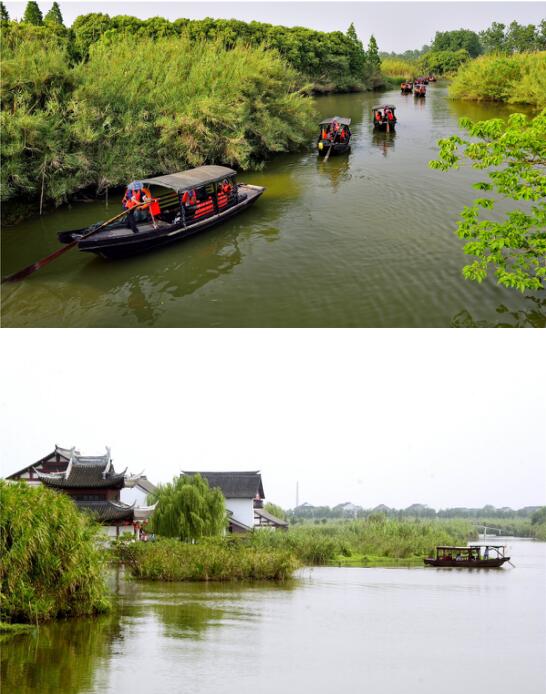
{"type": "Point", "coordinates": [234, 485]}
{"type": "Point", "coordinates": [83, 475]}
{"type": "Point", "coordinates": [107, 510]}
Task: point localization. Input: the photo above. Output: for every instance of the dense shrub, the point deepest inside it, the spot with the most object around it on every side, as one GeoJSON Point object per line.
{"type": "Point", "coordinates": [515, 79]}
{"type": "Point", "coordinates": [51, 565]}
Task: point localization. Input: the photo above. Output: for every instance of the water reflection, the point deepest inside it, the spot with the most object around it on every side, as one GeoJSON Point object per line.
{"type": "Point", "coordinates": [336, 169]}
{"type": "Point", "coordinates": [532, 317]}
{"type": "Point", "coordinates": [383, 140]}
{"type": "Point", "coordinates": [58, 657]}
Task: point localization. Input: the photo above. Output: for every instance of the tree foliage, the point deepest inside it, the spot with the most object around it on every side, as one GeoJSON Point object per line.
{"type": "Point", "coordinates": [51, 564]}
{"type": "Point", "coordinates": [54, 15]}
{"type": "Point", "coordinates": [442, 62]}
{"type": "Point", "coordinates": [4, 15]}
{"type": "Point", "coordinates": [33, 14]}
{"type": "Point", "coordinates": [275, 510]}
{"type": "Point", "coordinates": [373, 54]}
{"type": "Point", "coordinates": [515, 38]}
{"type": "Point", "coordinates": [461, 39]}
{"type": "Point", "coordinates": [188, 509]}
{"type": "Point", "coordinates": [514, 154]}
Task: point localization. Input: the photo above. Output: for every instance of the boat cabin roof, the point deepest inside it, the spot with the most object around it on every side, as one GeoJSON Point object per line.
{"type": "Point", "coordinates": [381, 108]}
{"type": "Point", "coordinates": [182, 180]}
{"type": "Point", "coordinates": [469, 547]}
{"type": "Point", "coordinates": [339, 119]}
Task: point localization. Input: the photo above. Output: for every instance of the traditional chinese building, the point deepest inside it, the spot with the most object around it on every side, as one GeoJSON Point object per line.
{"type": "Point", "coordinates": [244, 495]}
{"type": "Point", "coordinates": [94, 485]}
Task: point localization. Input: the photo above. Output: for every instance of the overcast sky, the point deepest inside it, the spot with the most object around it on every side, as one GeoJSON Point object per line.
{"type": "Point", "coordinates": [397, 26]}
{"type": "Point", "coordinates": [445, 418]}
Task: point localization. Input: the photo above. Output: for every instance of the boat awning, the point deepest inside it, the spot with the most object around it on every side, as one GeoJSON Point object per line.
{"type": "Point", "coordinates": [341, 121]}
{"type": "Point", "coordinates": [191, 178]}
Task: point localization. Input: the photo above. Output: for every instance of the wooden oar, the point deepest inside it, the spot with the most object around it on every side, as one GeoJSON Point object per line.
{"type": "Point", "coordinates": [328, 152]}
{"type": "Point", "coordinates": [26, 271]}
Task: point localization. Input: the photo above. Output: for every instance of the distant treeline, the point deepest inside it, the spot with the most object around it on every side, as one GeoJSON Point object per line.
{"type": "Point", "coordinates": [451, 49]}
{"type": "Point", "coordinates": [348, 510]}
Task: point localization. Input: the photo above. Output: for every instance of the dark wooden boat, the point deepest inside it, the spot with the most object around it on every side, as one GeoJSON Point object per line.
{"type": "Point", "coordinates": [334, 135]}
{"type": "Point", "coordinates": [420, 90]}
{"type": "Point", "coordinates": [192, 201]}
{"type": "Point", "coordinates": [470, 557]}
{"type": "Point", "coordinates": [432, 78]}
{"type": "Point", "coordinates": [406, 87]}
{"type": "Point", "coordinates": [382, 119]}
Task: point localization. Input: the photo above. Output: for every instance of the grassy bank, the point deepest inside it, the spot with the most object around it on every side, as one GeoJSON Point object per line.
{"type": "Point", "coordinates": [212, 560]}
{"type": "Point", "coordinates": [513, 79]}
{"type": "Point", "coordinates": [51, 565]}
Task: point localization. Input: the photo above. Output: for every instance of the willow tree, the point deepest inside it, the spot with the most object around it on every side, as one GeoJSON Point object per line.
{"type": "Point", "coordinates": [513, 153]}
{"type": "Point", "coordinates": [187, 508]}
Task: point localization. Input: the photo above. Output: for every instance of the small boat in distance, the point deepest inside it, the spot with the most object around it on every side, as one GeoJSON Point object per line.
{"type": "Point", "coordinates": [334, 135]}
{"type": "Point", "coordinates": [470, 557]}
{"type": "Point", "coordinates": [384, 117]}
{"type": "Point", "coordinates": [420, 90]}
{"type": "Point", "coordinates": [406, 87]}
{"type": "Point", "coordinates": [168, 209]}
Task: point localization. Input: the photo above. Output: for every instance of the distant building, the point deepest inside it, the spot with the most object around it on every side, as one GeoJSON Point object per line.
{"type": "Point", "coordinates": [244, 495]}
{"type": "Point", "coordinates": [347, 509]}
{"type": "Point", "coordinates": [95, 487]}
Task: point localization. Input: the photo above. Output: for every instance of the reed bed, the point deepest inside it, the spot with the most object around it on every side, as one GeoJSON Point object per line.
{"type": "Point", "coordinates": [378, 538]}
{"type": "Point", "coordinates": [210, 560]}
{"type": "Point", "coordinates": [51, 565]}
{"type": "Point", "coordinates": [398, 68]}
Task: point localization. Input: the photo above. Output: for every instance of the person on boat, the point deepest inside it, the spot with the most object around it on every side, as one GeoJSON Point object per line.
{"type": "Point", "coordinates": [378, 117]}
{"type": "Point", "coordinates": [390, 116]}
{"type": "Point", "coordinates": [226, 187]}
{"type": "Point", "coordinates": [132, 199]}
{"type": "Point", "coordinates": [486, 553]}
{"type": "Point", "coordinates": [189, 198]}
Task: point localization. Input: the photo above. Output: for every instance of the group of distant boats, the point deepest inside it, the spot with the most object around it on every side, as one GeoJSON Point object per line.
{"type": "Point", "coordinates": [418, 86]}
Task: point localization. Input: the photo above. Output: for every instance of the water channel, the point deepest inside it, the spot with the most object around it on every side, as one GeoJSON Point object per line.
{"type": "Point", "coordinates": [412, 630]}
{"type": "Point", "coordinates": [361, 240]}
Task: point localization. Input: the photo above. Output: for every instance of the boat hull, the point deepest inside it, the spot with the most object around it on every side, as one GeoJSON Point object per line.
{"type": "Point", "coordinates": [467, 564]}
{"type": "Point", "coordinates": [383, 126]}
{"type": "Point", "coordinates": [129, 244]}
{"type": "Point", "coordinates": [337, 148]}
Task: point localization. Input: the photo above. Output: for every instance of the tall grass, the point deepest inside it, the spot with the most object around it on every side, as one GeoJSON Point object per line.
{"type": "Point", "coordinates": [398, 68]}
{"type": "Point", "coordinates": [50, 565]}
{"type": "Point", "coordinates": [378, 537]}
{"type": "Point", "coordinates": [211, 560]}
{"type": "Point", "coordinates": [514, 79]}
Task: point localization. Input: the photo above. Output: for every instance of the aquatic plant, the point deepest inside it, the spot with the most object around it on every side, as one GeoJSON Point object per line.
{"type": "Point", "coordinates": [398, 68]}
{"type": "Point", "coordinates": [209, 560]}
{"type": "Point", "coordinates": [51, 564]}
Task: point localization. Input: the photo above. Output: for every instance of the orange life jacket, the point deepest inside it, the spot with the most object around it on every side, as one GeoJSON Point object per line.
{"type": "Point", "coordinates": [189, 198]}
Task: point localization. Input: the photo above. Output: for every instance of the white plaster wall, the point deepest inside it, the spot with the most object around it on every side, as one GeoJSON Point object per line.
{"type": "Point", "coordinates": [130, 494]}
{"type": "Point", "coordinates": [243, 510]}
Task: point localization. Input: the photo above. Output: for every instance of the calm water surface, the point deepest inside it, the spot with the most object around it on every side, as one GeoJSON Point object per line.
{"type": "Point", "coordinates": [361, 240]}
{"type": "Point", "coordinates": [334, 629]}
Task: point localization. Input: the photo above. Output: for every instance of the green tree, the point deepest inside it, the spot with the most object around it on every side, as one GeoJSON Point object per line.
{"type": "Point", "coordinates": [372, 56]}
{"type": "Point", "coordinates": [520, 38]}
{"type": "Point", "coordinates": [33, 14]}
{"type": "Point", "coordinates": [457, 40]}
{"type": "Point", "coordinates": [54, 15]}
{"type": "Point", "coordinates": [443, 62]}
{"type": "Point", "coordinates": [514, 154]}
{"type": "Point", "coordinates": [539, 516]}
{"type": "Point", "coordinates": [189, 509]}
{"type": "Point", "coordinates": [4, 16]}
{"type": "Point", "coordinates": [275, 510]}
{"type": "Point", "coordinates": [493, 39]}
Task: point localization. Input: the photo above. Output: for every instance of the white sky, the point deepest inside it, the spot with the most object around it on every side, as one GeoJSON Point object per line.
{"type": "Point", "coordinates": [373, 416]}
{"type": "Point", "coordinates": [397, 26]}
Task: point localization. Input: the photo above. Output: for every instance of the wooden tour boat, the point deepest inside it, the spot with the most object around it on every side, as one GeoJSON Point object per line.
{"type": "Point", "coordinates": [384, 117]}
{"type": "Point", "coordinates": [182, 204]}
{"type": "Point", "coordinates": [432, 78]}
{"type": "Point", "coordinates": [420, 90]}
{"type": "Point", "coordinates": [334, 136]}
{"type": "Point", "coordinates": [406, 87]}
{"type": "Point", "coordinates": [470, 557]}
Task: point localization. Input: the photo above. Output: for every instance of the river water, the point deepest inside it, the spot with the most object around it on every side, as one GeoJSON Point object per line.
{"type": "Point", "coordinates": [417, 631]}
{"type": "Point", "coordinates": [361, 240]}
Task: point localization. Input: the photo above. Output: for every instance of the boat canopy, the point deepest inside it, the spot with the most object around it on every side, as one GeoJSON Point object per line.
{"type": "Point", "coordinates": [381, 108]}
{"type": "Point", "coordinates": [338, 119]}
{"type": "Point", "coordinates": [191, 178]}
